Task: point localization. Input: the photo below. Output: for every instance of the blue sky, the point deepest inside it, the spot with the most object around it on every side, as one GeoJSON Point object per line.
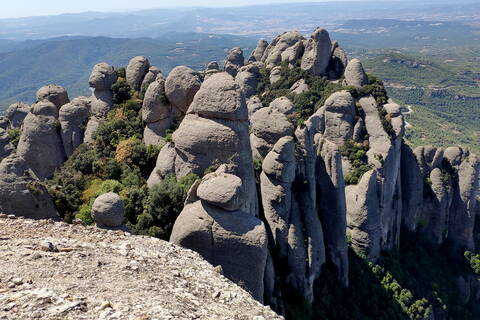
{"type": "Point", "coordinates": [23, 8]}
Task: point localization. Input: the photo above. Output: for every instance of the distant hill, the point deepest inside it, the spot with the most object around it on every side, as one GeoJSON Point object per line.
{"type": "Point", "coordinates": [443, 88]}
{"type": "Point", "coordinates": [68, 61]}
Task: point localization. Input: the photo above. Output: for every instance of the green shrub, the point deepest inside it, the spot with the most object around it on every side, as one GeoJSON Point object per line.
{"type": "Point", "coordinates": [474, 261]}
{"type": "Point", "coordinates": [305, 103]}
{"type": "Point", "coordinates": [121, 72]}
{"type": "Point", "coordinates": [14, 136]}
{"type": "Point", "coordinates": [121, 91]}
{"type": "Point", "coordinates": [165, 203]}
{"type": "Point", "coordinates": [211, 169]}
{"type": "Point", "coordinates": [356, 153]}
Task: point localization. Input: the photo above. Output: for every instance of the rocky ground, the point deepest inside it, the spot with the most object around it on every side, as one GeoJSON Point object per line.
{"type": "Point", "coordinates": [53, 270]}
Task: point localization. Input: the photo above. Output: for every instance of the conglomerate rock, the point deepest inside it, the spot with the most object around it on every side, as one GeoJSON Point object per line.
{"type": "Point", "coordinates": [223, 234]}
{"type": "Point", "coordinates": [53, 93]}
{"type": "Point", "coordinates": [136, 71]}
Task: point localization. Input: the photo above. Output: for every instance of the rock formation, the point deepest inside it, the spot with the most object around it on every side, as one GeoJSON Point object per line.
{"type": "Point", "coordinates": [54, 94]}
{"type": "Point", "coordinates": [213, 224]}
{"type": "Point", "coordinates": [156, 113]}
{"type": "Point", "coordinates": [102, 78]}
{"type": "Point", "coordinates": [21, 193]}
{"type": "Point", "coordinates": [318, 51]}
{"type": "Point", "coordinates": [152, 74]}
{"type": "Point", "coordinates": [234, 61]}
{"type": "Point", "coordinates": [247, 79]}
{"type": "Point", "coordinates": [73, 119]}
{"type": "Point", "coordinates": [16, 113]}
{"type": "Point", "coordinates": [282, 185]}
{"type": "Point", "coordinates": [180, 87]}
{"type": "Point", "coordinates": [136, 71]}
{"type": "Point", "coordinates": [257, 54]}
{"type": "Point", "coordinates": [6, 148]}
{"type": "Point", "coordinates": [40, 142]}
{"type": "Point", "coordinates": [285, 47]}
{"type": "Point", "coordinates": [355, 75]}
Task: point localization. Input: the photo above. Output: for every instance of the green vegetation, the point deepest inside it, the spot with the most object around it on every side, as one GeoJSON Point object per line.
{"type": "Point", "coordinates": [376, 88]}
{"type": "Point", "coordinates": [356, 153]}
{"type": "Point", "coordinates": [305, 103]}
{"type": "Point", "coordinates": [14, 136]}
{"type": "Point", "coordinates": [474, 261]}
{"type": "Point", "coordinates": [406, 284]}
{"type": "Point", "coordinates": [162, 206]}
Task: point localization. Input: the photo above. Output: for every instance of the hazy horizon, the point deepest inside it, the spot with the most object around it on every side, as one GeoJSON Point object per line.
{"type": "Point", "coordinates": [31, 8]}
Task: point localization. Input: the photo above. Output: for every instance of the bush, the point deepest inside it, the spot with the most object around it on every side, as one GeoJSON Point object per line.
{"type": "Point", "coordinates": [14, 136]}
{"type": "Point", "coordinates": [121, 91]}
{"type": "Point", "coordinates": [474, 261]}
{"type": "Point", "coordinates": [165, 204]}
{"type": "Point", "coordinates": [305, 103]}
{"type": "Point", "coordinates": [356, 153]}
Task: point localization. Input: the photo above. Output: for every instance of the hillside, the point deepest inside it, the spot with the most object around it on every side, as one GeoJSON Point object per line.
{"type": "Point", "coordinates": [53, 270]}
{"type": "Point", "coordinates": [443, 88]}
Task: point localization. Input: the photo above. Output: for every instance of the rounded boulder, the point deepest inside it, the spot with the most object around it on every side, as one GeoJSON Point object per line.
{"type": "Point", "coordinates": [108, 210]}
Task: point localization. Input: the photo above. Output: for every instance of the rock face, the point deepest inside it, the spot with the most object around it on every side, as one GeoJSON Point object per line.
{"type": "Point", "coordinates": [257, 54]}
{"type": "Point", "coordinates": [442, 202]}
{"type": "Point", "coordinates": [108, 210]}
{"type": "Point", "coordinates": [268, 126]}
{"type": "Point", "coordinates": [355, 75]}
{"type": "Point", "coordinates": [465, 192]}
{"type": "Point", "coordinates": [286, 47]}
{"type": "Point", "coordinates": [136, 71]}
{"type": "Point", "coordinates": [247, 79]}
{"type": "Point", "coordinates": [21, 193]}
{"type": "Point", "coordinates": [6, 148]}
{"type": "Point", "coordinates": [299, 87]}
{"type": "Point", "coordinates": [275, 74]}
{"type": "Point", "coordinates": [338, 62]}
{"type": "Point", "coordinates": [73, 119]}
{"type": "Point", "coordinates": [318, 51]}
{"type": "Point", "coordinates": [16, 113]}
{"type": "Point", "coordinates": [234, 61]}
{"type": "Point", "coordinates": [54, 94]}
{"type": "Point", "coordinates": [215, 132]}
{"type": "Point", "coordinates": [152, 74]}
{"type": "Point", "coordinates": [156, 113]}
{"type": "Point", "coordinates": [213, 225]}
{"type": "Point", "coordinates": [363, 216]}
{"type": "Point", "coordinates": [40, 142]}
{"type": "Point", "coordinates": [162, 280]}
{"type": "Point", "coordinates": [332, 206]}
{"type": "Point", "coordinates": [339, 117]}
{"type": "Point", "coordinates": [222, 190]}
{"type": "Point", "coordinates": [181, 86]}
{"type": "Point", "coordinates": [103, 76]}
